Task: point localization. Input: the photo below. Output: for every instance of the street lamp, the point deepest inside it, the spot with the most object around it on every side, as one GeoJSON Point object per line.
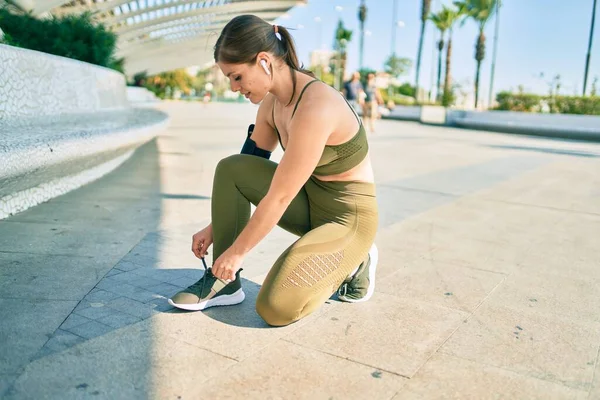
{"type": "Point", "coordinates": [587, 60]}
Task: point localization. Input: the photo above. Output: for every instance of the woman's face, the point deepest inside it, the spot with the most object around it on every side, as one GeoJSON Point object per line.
{"type": "Point", "coordinates": [251, 80]}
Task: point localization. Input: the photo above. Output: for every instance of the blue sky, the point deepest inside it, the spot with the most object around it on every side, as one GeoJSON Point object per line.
{"type": "Point", "coordinates": [549, 36]}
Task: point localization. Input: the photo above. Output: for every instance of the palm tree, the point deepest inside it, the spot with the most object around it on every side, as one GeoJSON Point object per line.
{"type": "Point", "coordinates": [342, 37]}
{"type": "Point", "coordinates": [425, 9]}
{"type": "Point", "coordinates": [362, 16]}
{"type": "Point", "coordinates": [442, 20]}
{"type": "Point", "coordinates": [480, 11]}
{"type": "Point", "coordinates": [455, 15]}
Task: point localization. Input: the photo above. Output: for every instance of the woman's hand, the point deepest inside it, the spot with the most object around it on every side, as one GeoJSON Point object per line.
{"type": "Point", "coordinates": [226, 266]}
{"type": "Point", "coordinates": [201, 241]}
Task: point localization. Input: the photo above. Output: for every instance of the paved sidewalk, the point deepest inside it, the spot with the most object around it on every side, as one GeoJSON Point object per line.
{"type": "Point", "coordinates": [487, 283]}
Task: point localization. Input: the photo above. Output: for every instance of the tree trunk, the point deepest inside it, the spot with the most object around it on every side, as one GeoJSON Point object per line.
{"type": "Point", "coordinates": [477, 83]}
{"type": "Point", "coordinates": [419, 61]}
{"type": "Point", "coordinates": [479, 56]}
{"type": "Point", "coordinates": [439, 72]}
{"type": "Point", "coordinates": [447, 80]}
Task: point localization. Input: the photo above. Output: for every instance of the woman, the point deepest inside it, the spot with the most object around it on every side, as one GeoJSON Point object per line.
{"type": "Point", "coordinates": [322, 190]}
{"type": "Point", "coordinates": [372, 100]}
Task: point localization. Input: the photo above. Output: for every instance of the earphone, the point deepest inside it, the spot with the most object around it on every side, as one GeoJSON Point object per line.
{"type": "Point", "coordinates": [264, 65]}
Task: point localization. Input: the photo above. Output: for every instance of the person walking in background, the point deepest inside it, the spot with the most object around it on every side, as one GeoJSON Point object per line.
{"type": "Point", "coordinates": [372, 101]}
{"type": "Point", "coordinates": [354, 92]}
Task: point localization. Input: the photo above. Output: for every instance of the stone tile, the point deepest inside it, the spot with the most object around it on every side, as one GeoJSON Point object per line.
{"type": "Point", "coordinates": [90, 330]}
{"type": "Point", "coordinates": [39, 276]}
{"type": "Point", "coordinates": [61, 340]}
{"type": "Point", "coordinates": [25, 328]}
{"type": "Point", "coordinates": [140, 260]}
{"type": "Point", "coordinates": [126, 266]}
{"type": "Point", "coordinates": [118, 319]}
{"type": "Point", "coordinates": [471, 178]}
{"type": "Point", "coordinates": [59, 240]}
{"type": "Point", "coordinates": [237, 332]}
{"type": "Point", "coordinates": [162, 275]}
{"type": "Point", "coordinates": [446, 285]}
{"type": "Point", "coordinates": [116, 287]}
{"type": "Point", "coordinates": [125, 277]}
{"type": "Point", "coordinates": [386, 332]}
{"type": "Point", "coordinates": [573, 299]}
{"type": "Point", "coordinates": [132, 362]}
{"type": "Point", "coordinates": [134, 279]}
{"type": "Point", "coordinates": [113, 272]}
{"type": "Point", "coordinates": [131, 307]}
{"type": "Point", "coordinates": [595, 390]}
{"type": "Point", "coordinates": [528, 343]}
{"type": "Point", "coordinates": [83, 304]}
{"type": "Point", "coordinates": [94, 313]}
{"type": "Point", "coordinates": [6, 381]}
{"type": "Point", "coordinates": [288, 370]}
{"type": "Point", "coordinates": [447, 377]}
{"type": "Point", "coordinates": [143, 295]}
{"type": "Point", "coordinates": [542, 187]}
{"type": "Point", "coordinates": [160, 305]}
{"type": "Point", "coordinates": [397, 204]}
{"type": "Point", "coordinates": [74, 320]}
{"type": "Point", "coordinates": [99, 295]}
{"type": "Point", "coordinates": [164, 289]}
{"type": "Point", "coordinates": [183, 282]}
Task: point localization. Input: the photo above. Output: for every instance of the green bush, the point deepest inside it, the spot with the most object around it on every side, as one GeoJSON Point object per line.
{"type": "Point", "coordinates": [553, 104]}
{"type": "Point", "coordinates": [72, 36]}
{"type": "Point", "coordinates": [398, 99]}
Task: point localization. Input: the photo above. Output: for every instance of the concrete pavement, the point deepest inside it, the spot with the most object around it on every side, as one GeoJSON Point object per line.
{"type": "Point", "coordinates": [487, 283]}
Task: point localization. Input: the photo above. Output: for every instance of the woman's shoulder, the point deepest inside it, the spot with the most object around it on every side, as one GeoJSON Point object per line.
{"type": "Point", "coordinates": [265, 110]}
{"type": "Point", "coordinates": [320, 96]}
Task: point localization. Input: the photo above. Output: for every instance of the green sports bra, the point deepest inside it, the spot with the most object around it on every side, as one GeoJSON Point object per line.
{"type": "Point", "coordinates": [338, 158]}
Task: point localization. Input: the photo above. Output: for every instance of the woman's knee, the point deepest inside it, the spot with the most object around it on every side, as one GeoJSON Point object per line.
{"type": "Point", "coordinates": [273, 312]}
{"type": "Point", "coordinates": [228, 164]}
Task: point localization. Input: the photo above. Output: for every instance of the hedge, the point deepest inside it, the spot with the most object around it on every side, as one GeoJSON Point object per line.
{"type": "Point", "coordinates": [72, 36]}
{"type": "Point", "coordinates": [553, 104]}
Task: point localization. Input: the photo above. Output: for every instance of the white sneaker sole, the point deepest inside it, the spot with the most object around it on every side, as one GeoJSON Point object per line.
{"type": "Point", "coordinates": [225, 300]}
{"type": "Point", "coordinates": [374, 255]}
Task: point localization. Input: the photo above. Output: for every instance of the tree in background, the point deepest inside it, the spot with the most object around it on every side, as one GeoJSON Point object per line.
{"type": "Point", "coordinates": [425, 10]}
{"type": "Point", "coordinates": [455, 16]}
{"type": "Point", "coordinates": [442, 20]}
{"type": "Point", "coordinates": [342, 38]}
{"type": "Point", "coordinates": [165, 84]}
{"type": "Point", "coordinates": [479, 11]}
{"type": "Point", "coordinates": [364, 72]}
{"type": "Point", "coordinates": [397, 66]}
{"type": "Point", "coordinates": [362, 17]}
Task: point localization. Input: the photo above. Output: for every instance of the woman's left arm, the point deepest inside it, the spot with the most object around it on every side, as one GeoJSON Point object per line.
{"type": "Point", "coordinates": [309, 131]}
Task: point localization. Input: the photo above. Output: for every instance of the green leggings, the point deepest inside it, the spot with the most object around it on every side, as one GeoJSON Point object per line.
{"type": "Point", "coordinates": [336, 222]}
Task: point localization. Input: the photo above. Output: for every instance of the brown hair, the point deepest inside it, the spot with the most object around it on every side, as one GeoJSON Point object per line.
{"type": "Point", "coordinates": [247, 35]}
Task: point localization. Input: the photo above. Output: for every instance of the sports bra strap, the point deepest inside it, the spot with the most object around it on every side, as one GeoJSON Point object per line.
{"type": "Point", "coordinates": [300, 97]}
{"type": "Point", "coordinates": [352, 109]}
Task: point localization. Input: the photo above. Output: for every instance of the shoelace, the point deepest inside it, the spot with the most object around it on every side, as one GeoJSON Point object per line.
{"type": "Point", "coordinates": [204, 277]}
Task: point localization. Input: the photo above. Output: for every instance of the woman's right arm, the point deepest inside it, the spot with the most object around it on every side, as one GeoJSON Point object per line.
{"type": "Point", "coordinates": [265, 137]}
{"type": "Point", "coordinates": [264, 129]}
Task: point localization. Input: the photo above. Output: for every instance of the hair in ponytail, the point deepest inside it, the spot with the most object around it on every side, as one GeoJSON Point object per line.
{"type": "Point", "coordinates": [247, 35]}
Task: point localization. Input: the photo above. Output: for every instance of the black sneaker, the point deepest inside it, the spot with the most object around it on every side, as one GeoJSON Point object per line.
{"type": "Point", "coordinates": [209, 291]}
{"type": "Point", "coordinates": [361, 286]}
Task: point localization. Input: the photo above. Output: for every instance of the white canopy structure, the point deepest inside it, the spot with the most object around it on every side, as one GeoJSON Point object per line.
{"type": "Point", "coordinates": [162, 35]}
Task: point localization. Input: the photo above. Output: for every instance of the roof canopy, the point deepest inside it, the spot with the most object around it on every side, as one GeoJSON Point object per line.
{"type": "Point", "coordinates": [161, 35]}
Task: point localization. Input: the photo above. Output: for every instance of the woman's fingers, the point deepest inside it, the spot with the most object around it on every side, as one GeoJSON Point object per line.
{"type": "Point", "coordinates": [197, 247]}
